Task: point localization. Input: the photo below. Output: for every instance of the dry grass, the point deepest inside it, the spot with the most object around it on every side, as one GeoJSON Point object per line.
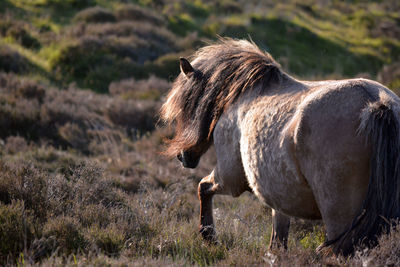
{"type": "Point", "coordinates": [108, 197]}
{"type": "Point", "coordinates": [82, 181]}
{"type": "Point", "coordinates": [93, 213]}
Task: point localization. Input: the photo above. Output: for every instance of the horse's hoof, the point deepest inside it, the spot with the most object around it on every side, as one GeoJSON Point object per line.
{"type": "Point", "coordinates": [208, 233]}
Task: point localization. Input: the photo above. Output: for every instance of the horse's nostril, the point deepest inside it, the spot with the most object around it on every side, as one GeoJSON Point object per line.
{"type": "Point", "coordinates": [179, 156]}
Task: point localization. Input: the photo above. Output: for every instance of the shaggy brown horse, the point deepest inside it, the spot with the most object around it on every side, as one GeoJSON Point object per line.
{"type": "Point", "coordinates": [317, 150]}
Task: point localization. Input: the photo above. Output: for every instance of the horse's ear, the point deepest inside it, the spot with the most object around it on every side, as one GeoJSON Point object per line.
{"type": "Point", "coordinates": [186, 68]}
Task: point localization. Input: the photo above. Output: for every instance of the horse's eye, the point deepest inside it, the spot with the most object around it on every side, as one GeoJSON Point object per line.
{"type": "Point", "coordinates": [179, 156]}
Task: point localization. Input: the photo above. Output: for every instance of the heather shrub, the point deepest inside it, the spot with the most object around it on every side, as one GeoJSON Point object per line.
{"type": "Point", "coordinates": [71, 118]}
{"type": "Point", "coordinates": [228, 7]}
{"type": "Point", "coordinates": [51, 160]}
{"type": "Point", "coordinates": [43, 247]}
{"type": "Point", "coordinates": [75, 136]}
{"type": "Point", "coordinates": [17, 229]}
{"type": "Point", "coordinates": [102, 53]}
{"type": "Point", "coordinates": [67, 232]}
{"type": "Point", "coordinates": [91, 187]}
{"type": "Point", "coordinates": [18, 33]}
{"type": "Point", "coordinates": [137, 13]}
{"type": "Point", "coordinates": [84, 186]}
{"type": "Point", "coordinates": [152, 88]}
{"type": "Point", "coordinates": [12, 61]}
{"type": "Point", "coordinates": [134, 115]}
{"type": "Point", "coordinates": [15, 144]}
{"type": "Point", "coordinates": [76, 59]}
{"type": "Point", "coordinates": [197, 8]}
{"type": "Point", "coordinates": [166, 66]}
{"type": "Point", "coordinates": [76, 212]}
{"type": "Point", "coordinates": [99, 78]}
{"type": "Point", "coordinates": [19, 116]}
{"type": "Point", "coordinates": [5, 24]}
{"type": "Point", "coordinates": [146, 41]}
{"type": "Point", "coordinates": [19, 106]}
{"type": "Point", "coordinates": [78, 106]}
{"type": "Point", "coordinates": [95, 15]}
{"type": "Point", "coordinates": [390, 76]}
{"type": "Point", "coordinates": [384, 27]}
{"type": "Point", "coordinates": [94, 214]}
{"type": "Point", "coordinates": [68, 4]}
{"type": "Point", "coordinates": [21, 88]}
{"type": "Point", "coordinates": [20, 181]}
{"type": "Point", "coordinates": [109, 240]}
{"type": "Point", "coordinates": [387, 253]}
{"type": "Point", "coordinates": [109, 142]}
{"type": "Point", "coordinates": [182, 24]}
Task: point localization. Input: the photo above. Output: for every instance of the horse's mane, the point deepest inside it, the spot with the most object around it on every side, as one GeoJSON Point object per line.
{"type": "Point", "coordinates": [223, 72]}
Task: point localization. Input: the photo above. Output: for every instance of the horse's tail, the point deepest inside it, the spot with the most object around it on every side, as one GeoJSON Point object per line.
{"type": "Point", "coordinates": [381, 206]}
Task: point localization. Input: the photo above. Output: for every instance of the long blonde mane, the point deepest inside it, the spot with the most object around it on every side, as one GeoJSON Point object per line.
{"type": "Point", "coordinates": [222, 72]}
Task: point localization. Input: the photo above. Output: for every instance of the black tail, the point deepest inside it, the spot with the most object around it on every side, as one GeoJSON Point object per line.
{"type": "Point", "coordinates": [381, 206]}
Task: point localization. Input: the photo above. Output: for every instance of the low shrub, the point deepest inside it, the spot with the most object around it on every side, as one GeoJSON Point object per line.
{"type": "Point", "coordinates": [149, 89]}
{"type": "Point", "coordinates": [15, 144]}
{"type": "Point", "coordinates": [21, 88]}
{"type": "Point", "coordinates": [94, 214]}
{"type": "Point", "coordinates": [137, 13]}
{"type": "Point", "coordinates": [182, 24]}
{"type": "Point", "coordinates": [136, 116]}
{"type": "Point", "coordinates": [12, 61]}
{"type": "Point", "coordinates": [228, 7]}
{"type": "Point", "coordinates": [390, 76]}
{"type": "Point", "coordinates": [68, 4]}
{"type": "Point", "coordinates": [166, 66]}
{"type": "Point", "coordinates": [74, 135]}
{"type": "Point", "coordinates": [109, 240]}
{"type": "Point", "coordinates": [125, 38]}
{"type": "Point", "coordinates": [21, 181]}
{"type": "Point", "coordinates": [197, 8]}
{"type": "Point", "coordinates": [71, 118]}
{"type": "Point", "coordinates": [67, 232]}
{"type": "Point", "coordinates": [18, 33]}
{"type": "Point", "coordinates": [85, 186]}
{"type": "Point", "coordinates": [102, 53]}
{"type": "Point", "coordinates": [387, 253]}
{"type": "Point", "coordinates": [99, 77]}
{"type": "Point", "coordinates": [95, 15]}
{"type": "Point", "coordinates": [17, 229]}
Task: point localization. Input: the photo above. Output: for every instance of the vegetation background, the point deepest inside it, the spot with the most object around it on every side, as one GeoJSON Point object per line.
{"type": "Point", "coordinates": [81, 82]}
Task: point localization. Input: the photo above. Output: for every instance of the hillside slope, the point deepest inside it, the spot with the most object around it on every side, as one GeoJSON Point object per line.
{"type": "Point", "coordinates": [82, 180]}
{"type": "Point", "coordinates": [95, 42]}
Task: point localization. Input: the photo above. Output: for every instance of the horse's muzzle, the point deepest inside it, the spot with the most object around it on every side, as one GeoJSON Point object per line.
{"type": "Point", "coordinates": [188, 161]}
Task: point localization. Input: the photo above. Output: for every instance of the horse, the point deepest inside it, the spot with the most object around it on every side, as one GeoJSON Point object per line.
{"type": "Point", "coordinates": [309, 149]}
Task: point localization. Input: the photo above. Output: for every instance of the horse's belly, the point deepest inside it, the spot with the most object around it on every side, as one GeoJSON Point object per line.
{"type": "Point", "coordinates": [274, 179]}
{"type": "Point", "coordinates": [286, 194]}
{"type": "Point", "coordinates": [273, 176]}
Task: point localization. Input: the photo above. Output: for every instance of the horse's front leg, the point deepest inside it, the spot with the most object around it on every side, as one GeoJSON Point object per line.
{"type": "Point", "coordinates": [206, 190]}
{"type": "Point", "coordinates": [280, 230]}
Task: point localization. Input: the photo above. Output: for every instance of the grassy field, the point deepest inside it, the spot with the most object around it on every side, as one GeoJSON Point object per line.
{"type": "Point", "coordinates": [82, 181]}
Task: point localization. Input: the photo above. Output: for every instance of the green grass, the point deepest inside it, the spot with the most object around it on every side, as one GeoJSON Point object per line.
{"type": "Point", "coordinates": [309, 40]}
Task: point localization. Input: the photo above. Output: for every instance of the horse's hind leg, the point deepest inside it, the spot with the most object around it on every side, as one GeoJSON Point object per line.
{"type": "Point", "coordinates": [206, 190]}
{"type": "Point", "coordinates": [280, 230]}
